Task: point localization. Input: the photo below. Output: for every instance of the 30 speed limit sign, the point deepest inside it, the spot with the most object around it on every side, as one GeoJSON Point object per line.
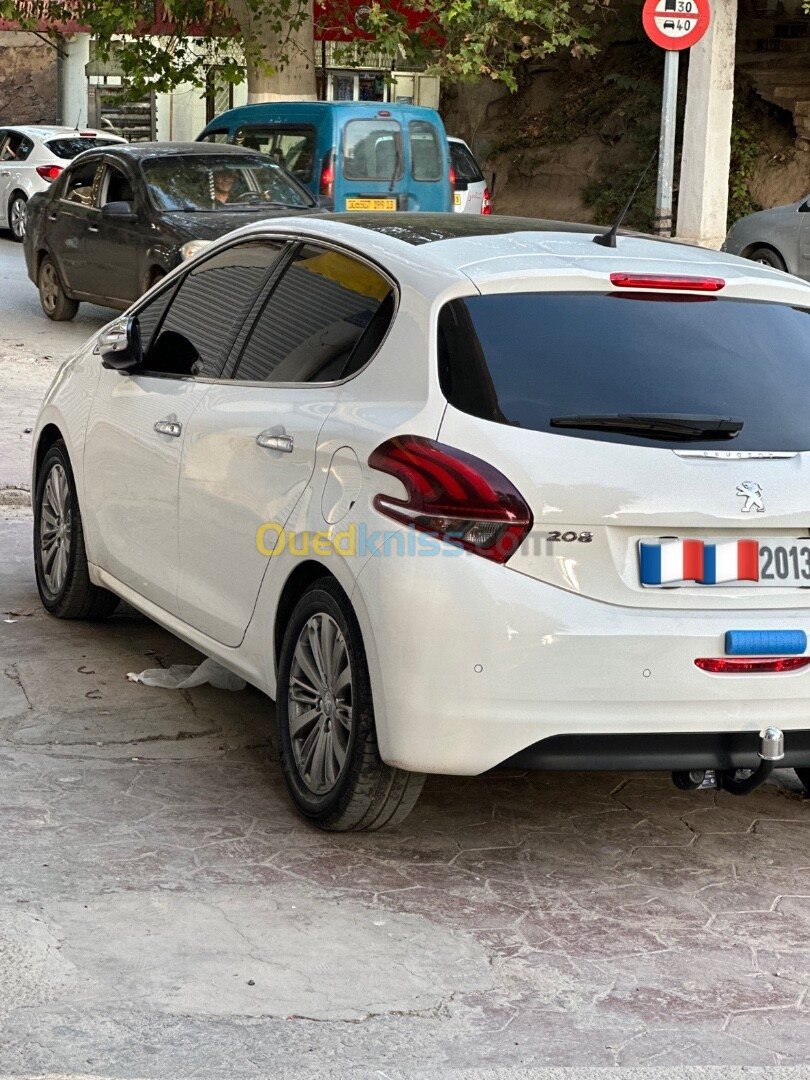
{"type": "Point", "coordinates": [676, 24]}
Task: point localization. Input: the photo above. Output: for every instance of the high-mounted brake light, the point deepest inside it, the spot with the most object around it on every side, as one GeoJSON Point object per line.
{"type": "Point", "coordinates": [486, 202]}
{"type": "Point", "coordinates": [667, 281]}
{"type": "Point", "coordinates": [383, 112]}
{"type": "Point", "coordinates": [87, 134]}
{"type": "Point", "coordinates": [49, 172]}
{"type": "Point", "coordinates": [453, 496]}
{"type": "Point", "coordinates": [748, 665]}
{"type": "Point", "coordinates": [327, 182]}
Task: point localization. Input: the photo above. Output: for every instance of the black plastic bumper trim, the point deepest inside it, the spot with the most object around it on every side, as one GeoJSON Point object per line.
{"type": "Point", "coordinates": [650, 751]}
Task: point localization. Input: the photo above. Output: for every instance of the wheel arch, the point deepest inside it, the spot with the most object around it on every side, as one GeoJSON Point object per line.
{"type": "Point", "coordinates": [755, 245]}
{"type": "Point", "coordinates": [50, 434]}
{"type": "Point", "coordinates": [294, 588]}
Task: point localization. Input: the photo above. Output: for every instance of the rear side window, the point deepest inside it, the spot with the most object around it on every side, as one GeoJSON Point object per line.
{"type": "Point", "coordinates": [69, 148]}
{"type": "Point", "coordinates": [325, 319]}
{"type": "Point", "coordinates": [523, 359]}
{"type": "Point", "coordinates": [372, 150]}
{"type": "Point", "coordinates": [208, 309]}
{"type": "Point", "coordinates": [292, 147]}
{"type": "Point", "coordinates": [79, 185]}
{"type": "Point", "coordinates": [215, 137]}
{"type": "Point", "coordinates": [464, 164]}
{"type": "Point", "coordinates": [426, 151]}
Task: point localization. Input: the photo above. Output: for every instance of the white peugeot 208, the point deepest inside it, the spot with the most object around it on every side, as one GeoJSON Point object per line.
{"type": "Point", "coordinates": [457, 493]}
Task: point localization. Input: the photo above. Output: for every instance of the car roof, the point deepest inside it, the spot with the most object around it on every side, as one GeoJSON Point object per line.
{"type": "Point", "coordinates": [55, 131]}
{"type": "Point", "coordinates": [142, 150]}
{"type": "Point", "coordinates": [512, 252]}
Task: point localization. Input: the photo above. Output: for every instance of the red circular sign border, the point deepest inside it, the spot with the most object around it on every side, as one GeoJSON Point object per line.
{"type": "Point", "coordinates": [675, 44]}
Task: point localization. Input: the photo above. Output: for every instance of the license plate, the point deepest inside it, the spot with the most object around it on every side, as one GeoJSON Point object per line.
{"type": "Point", "coordinates": [781, 562]}
{"type": "Point", "coordinates": [371, 204]}
{"type": "Point", "coordinates": [456, 198]}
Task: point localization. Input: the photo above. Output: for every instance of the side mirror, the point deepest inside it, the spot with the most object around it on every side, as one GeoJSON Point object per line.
{"type": "Point", "coordinates": [120, 210]}
{"type": "Point", "coordinates": [120, 346]}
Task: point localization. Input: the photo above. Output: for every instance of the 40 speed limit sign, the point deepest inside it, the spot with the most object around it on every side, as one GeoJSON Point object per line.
{"type": "Point", "coordinates": [675, 24]}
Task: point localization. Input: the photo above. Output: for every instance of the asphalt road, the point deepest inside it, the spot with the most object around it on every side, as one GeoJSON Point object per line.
{"type": "Point", "coordinates": [165, 914]}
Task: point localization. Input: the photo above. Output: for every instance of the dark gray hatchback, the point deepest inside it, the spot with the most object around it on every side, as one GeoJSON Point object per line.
{"type": "Point", "coordinates": [120, 218]}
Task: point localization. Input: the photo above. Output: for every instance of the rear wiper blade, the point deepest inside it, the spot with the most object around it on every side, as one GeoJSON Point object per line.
{"type": "Point", "coordinates": [655, 425]}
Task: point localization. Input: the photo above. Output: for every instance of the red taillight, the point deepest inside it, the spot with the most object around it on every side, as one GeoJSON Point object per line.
{"type": "Point", "coordinates": [667, 281]}
{"type": "Point", "coordinates": [452, 178]}
{"type": "Point", "coordinates": [49, 172]}
{"type": "Point", "coordinates": [327, 183]}
{"type": "Point", "coordinates": [747, 665]}
{"type": "Point", "coordinates": [486, 202]}
{"type": "Point", "coordinates": [453, 496]}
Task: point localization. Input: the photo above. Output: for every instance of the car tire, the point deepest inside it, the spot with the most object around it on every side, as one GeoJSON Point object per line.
{"type": "Point", "coordinates": [16, 215]}
{"type": "Point", "coordinates": [768, 257]}
{"type": "Point", "coordinates": [56, 304]}
{"type": "Point", "coordinates": [331, 763]}
{"type": "Point", "coordinates": [60, 560]}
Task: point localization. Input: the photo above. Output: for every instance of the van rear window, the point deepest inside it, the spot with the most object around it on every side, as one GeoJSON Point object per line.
{"type": "Point", "coordinates": [426, 153]}
{"type": "Point", "coordinates": [526, 359]}
{"type": "Point", "coordinates": [372, 150]}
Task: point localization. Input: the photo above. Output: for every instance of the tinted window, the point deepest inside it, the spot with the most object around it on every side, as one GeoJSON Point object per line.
{"type": "Point", "coordinates": [208, 309]}
{"type": "Point", "coordinates": [464, 164]}
{"type": "Point", "coordinates": [293, 147]}
{"type": "Point", "coordinates": [524, 358]}
{"type": "Point", "coordinates": [216, 137]}
{"type": "Point", "coordinates": [426, 152]}
{"type": "Point", "coordinates": [79, 183]}
{"type": "Point", "coordinates": [323, 321]}
{"type": "Point", "coordinates": [15, 147]}
{"type": "Point", "coordinates": [211, 181]}
{"type": "Point", "coordinates": [372, 150]}
{"type": "Point", "coordinates": [150, 315]}
{"type": "Point", "coordinates": [69, 148]}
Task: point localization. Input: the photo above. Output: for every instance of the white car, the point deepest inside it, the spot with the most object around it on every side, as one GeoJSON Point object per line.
{"type": "Point", "coordinates": [457, 495]}
{"type": "Point", "coordinates": [470, 192]}
{"type": "Point", "coordinates": [31, 157]}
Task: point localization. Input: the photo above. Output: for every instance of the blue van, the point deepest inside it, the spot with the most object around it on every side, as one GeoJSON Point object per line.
{"type": "Point", "coordinates": [360, 155]}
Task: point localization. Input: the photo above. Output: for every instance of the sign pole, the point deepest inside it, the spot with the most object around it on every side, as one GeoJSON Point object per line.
{"type": "Point", "coordinates": [666, 146]}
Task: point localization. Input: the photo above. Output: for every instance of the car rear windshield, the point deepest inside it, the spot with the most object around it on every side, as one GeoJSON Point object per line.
{"type": "Point", "coordinates": [526, 358]}
{"type": "Point", "coordinates": [69, 148]}
{"type": "Point", "coordinates": [372, 150]}
{"type": "Point", "coordinates": [211, 182]}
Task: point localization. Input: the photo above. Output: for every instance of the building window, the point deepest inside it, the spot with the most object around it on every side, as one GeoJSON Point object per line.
{"type": "Point", "coordinates": [218, 94]}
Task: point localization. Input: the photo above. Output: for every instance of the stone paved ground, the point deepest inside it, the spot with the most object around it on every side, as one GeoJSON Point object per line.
{"type": "Point", "coordinates": [164, 913]}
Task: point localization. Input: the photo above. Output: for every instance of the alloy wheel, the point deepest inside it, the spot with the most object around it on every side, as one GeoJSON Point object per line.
{"type": "Point", "coordinates": [320, 703]}
{"type": "Point", "coordinates": [55, 528]}
{"type": "Point", "coordinates": [17, 217]}
{"type": "Point", "coordinates": [49, 287]}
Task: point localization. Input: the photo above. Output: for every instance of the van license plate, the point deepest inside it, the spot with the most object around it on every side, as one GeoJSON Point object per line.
{"type": "Point", "coordinates": [778, 561]}
{"type": "Point", "coordinates": [456, 198]}
{"type": "Point", "coordinates": [371, 204]}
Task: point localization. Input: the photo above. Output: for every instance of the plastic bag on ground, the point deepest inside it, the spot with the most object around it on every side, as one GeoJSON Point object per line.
{"type": "Point", "coordinates": [186, 676]}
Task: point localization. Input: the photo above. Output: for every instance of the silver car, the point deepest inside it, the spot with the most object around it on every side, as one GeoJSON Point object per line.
{"type": "Point", "coordinates": [779, 237]}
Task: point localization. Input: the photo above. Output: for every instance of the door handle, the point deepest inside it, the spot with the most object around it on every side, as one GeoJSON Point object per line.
{"type": "Point", "coordinates": [92, 228]}
{"type": "Point", "coordinates": [5, 174]}
{"type": "Point", "coordinates": [284, 443]}
{"type": "Point", "coordinates": [168, 427]}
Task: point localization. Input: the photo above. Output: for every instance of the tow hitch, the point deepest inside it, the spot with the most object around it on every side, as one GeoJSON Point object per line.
{"type": "Point", "coordinates": [771, 751]}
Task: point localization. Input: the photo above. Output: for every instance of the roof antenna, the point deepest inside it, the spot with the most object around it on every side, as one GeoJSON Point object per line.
{"type": "Point", "coordinates": [78, 118]}
{"type": "Point", "coordinates": [608, 239]}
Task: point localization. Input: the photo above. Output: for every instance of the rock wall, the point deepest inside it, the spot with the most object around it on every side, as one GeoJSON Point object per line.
{"type": "Point", "coordinates": [27, 79]}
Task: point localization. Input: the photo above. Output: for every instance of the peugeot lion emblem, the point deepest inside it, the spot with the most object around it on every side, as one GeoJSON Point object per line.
{"type": "Point", "coordinates": [752, 493]}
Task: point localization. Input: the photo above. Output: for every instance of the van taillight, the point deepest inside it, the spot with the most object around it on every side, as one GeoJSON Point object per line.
{"type": "Point", "coordinates": [452, 178]}
{"type": "Point", "coordinates": [453, 496]}
{"type": "Point", "coordinates": [486, 202]}
{"type": "Point", "coordinates": [327, 184]}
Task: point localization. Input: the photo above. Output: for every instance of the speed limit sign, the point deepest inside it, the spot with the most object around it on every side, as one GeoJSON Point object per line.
{"type": "Point", "coordinates": [675, 24]}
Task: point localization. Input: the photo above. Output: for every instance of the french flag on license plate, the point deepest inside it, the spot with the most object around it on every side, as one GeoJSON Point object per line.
{"type": "Point", "coordinates": [671, 561]}
{"type": "Point", "coordinates": [732, 560]}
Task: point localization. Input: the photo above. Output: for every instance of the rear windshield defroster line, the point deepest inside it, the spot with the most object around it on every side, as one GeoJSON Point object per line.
{"type": "Point", "coordinates": [524, 359]}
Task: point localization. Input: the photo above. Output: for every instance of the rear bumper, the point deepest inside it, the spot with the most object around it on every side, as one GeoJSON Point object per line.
{"type": "Point", "coordinates": [670, 751]}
